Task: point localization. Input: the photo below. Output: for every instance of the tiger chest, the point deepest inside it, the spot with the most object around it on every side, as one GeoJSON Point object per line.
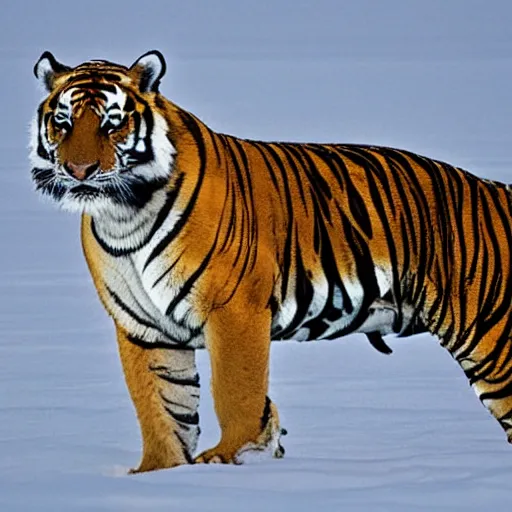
{"type": "Point", "coordinates": [139, 302]}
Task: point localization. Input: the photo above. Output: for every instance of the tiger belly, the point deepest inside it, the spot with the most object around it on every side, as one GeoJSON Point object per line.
{"type": "Point", "coordinates": [328, 310]}
{"type": "Point", "coordinates": [141, 310]}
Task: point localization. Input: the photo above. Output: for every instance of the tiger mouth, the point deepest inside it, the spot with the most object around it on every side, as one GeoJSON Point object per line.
{"type": "Point", "coordinates": [118, 188]}
{"type": "Point", "coordinates": [84, 191]}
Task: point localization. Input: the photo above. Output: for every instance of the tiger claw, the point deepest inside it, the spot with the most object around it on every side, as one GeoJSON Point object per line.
{"type": "Point", "coordinates": [214, 459]}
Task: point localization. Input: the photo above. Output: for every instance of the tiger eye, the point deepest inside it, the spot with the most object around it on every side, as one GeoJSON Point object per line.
{"type": "Point", "coordinates": [120, 132]}
{"type": "Point", "coordinates": [60, 127]}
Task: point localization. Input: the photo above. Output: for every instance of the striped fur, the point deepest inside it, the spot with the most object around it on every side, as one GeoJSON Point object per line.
{"type": "Point", "coordinates": [200, 239]}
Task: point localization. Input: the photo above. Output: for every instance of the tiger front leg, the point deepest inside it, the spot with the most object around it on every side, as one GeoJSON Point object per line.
{"type": "Point", "coordinates": [164, 386]}
{"type": "Point", "coordinates": [239, 344]}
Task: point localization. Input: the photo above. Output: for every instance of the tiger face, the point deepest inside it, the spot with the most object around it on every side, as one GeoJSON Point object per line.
{"type": "Point", "coordinates": [97, 142]}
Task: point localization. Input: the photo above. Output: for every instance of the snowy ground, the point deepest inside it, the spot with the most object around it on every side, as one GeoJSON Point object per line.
{"type": "Point", "coordinates": [367, 432]}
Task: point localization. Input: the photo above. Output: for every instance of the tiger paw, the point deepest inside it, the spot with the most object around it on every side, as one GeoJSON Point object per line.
{"type": "Point", "coordinates": [249, 452]}
{"type": "Point", "coordinates": [267, 444]}
{"type": "Point", "coordinates": [216, 455]}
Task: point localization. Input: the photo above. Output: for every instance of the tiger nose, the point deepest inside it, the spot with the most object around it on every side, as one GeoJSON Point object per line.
{"type": "Point", "coordinates": [81, 171]}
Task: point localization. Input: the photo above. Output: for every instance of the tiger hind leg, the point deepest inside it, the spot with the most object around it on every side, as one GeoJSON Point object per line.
{"type": "Point", "coordinates": [491, 394]}
{"type": "Point", "coordinates": [489, 369]}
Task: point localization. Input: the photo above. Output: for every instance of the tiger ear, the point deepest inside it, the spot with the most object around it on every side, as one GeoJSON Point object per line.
{"type": "Point", "coordinates": [47, 68]}
{"type": "Point", "coordinates": [147, 71]}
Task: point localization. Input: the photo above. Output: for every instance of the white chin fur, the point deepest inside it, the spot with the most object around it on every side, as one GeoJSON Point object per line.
{"type": "Point", "coordinates": [93, 207]}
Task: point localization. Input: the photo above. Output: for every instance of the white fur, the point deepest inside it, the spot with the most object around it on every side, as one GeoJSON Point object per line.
{"type": "Point", "coordinates": [288, 308]}
{"type": "Point", "coordinates": [124, 227]}
{"type": "Point", "coordinates": [64, 106]}
{"type": "Point", "coordinates": [153, 67]}
{"type": "Point", "coordinates": [163, 150]}
{"type": "Point", "coordinates": [268, 446]}
{"type": "Point", "coordinates": [122, 277]}
{"type": "Point", "coordinates": [118, 97]}
{"type": "Point", "coordinates": [44, 67]}
{"type": "Point", "coordinates": [384, 279]}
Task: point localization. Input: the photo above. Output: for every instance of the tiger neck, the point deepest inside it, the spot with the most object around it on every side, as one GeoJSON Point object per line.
{"type": "Point", "coordinates": [122, 231]}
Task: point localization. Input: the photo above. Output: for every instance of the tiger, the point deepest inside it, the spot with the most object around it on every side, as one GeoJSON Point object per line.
{"type": "Point", "coordinates": [198, 239]}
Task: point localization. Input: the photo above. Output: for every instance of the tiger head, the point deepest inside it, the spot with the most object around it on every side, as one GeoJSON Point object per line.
{"type": "Point", "coordinates": [98, 142]}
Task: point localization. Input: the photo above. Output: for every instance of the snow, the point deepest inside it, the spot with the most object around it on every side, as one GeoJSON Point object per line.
{"type": "Point", "coordinates": [367, 432]}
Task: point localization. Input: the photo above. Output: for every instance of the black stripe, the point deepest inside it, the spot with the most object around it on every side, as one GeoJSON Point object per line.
{"type": "Point", "coordinates": [292, 165]}
{"type": "Point", "coordinates": [151, 345]}
{"type": "Point", "coordinates": [193, 382]}
{"type": "Point", "coordinates": [230, 234]}
{"type": "Point", "coordinates": [287, 253]}
{"type": "Point", "coordinates": [504, 392]}
{"type": "Point", "coordinates": [92, 73]}
{"type": "Point", "coordinates": [304, 293]}
{"type": "Point", "coordinates": [189, 283]}
{"type": "Point", "coordinates": [319, 188]}
{"type": "Point", "coordinates": [266, 413]}
{"type": "Point", "coordinates": [253, 225]}
{"type": "Point", "coordinates": [426, 251]}
{"type": "Point", "coordinates": [191, 280]}
{"type": "Point", "coordinates": [113, 251]}
{"type": "Point", "coordinates": [183, 419]}
{"type": "Point", "coordinates": [372, 175]}
{"type": "Point", "coordinates": [130, 312]}
{"type": "Point", "coordinates": [160, 219]}
{"type": "Point", "coordinates": [332, 160]}
{"type": "Point", "coordinates": [167, 271]}
{"type": "Point", "coordinates": [42, 119]}
{"type": "Point", "coordinates": [172, 402]}
{"type": "Point", "coordinates": [97, 86]}
{"type": "Point", "coordinates": [269, 168]}
{"type": "Point", "coordinates": [365, 269]}
{"type": "Point", "coordinates": [214, 139]}
{"type": "Point", "coordinates": [245, 241]}
{"type": "Point", "coordinates": [185, 448]}
{"type": "Point", "coordinates": [195, 131]}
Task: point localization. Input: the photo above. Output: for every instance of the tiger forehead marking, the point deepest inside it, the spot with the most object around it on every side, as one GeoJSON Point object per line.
{"type": "Point", "coordinates": [105, 99]}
